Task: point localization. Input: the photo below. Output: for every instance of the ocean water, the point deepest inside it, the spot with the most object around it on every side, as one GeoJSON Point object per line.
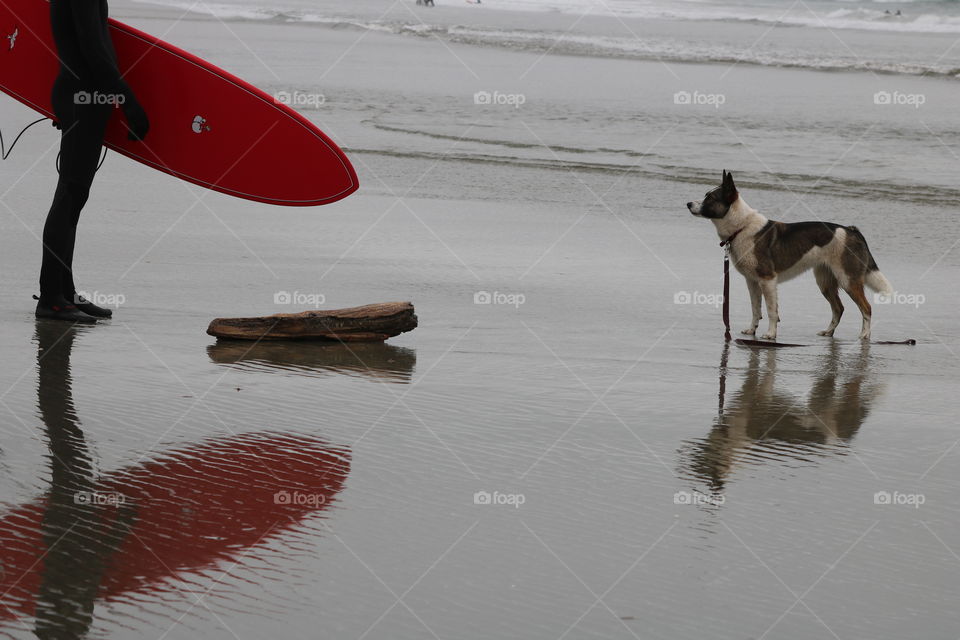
{"type": "Point", "coordinates": [624, 35]}
{"type": "Point", "coordinates": [937, 16]}
{"type": "Point", "coordinates": [879, 88]}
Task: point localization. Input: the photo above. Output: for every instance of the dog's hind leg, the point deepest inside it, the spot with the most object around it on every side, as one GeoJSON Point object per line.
{"type": "Point", "coordinates": [830, 289]}
{"type": "Point", "coordinates": [856, 293]}
{"type": "Point", "coordinates": [755, 299]}
{"type": "Point", "coordinates": [768, 286]}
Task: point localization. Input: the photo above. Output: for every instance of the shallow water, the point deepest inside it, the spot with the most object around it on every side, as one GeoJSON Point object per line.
{"type": "Point", "coordinates": [643, 479]}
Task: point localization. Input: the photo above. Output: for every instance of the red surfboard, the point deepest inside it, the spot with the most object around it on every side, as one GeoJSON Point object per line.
{"type": "Point", "coordinates": [206, 126]}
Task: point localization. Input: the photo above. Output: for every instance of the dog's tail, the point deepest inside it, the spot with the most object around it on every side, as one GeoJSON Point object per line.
{"type": "Point", "coordinates": [878, 282]}
{"type": "Point", "coordinates": [873, 279]}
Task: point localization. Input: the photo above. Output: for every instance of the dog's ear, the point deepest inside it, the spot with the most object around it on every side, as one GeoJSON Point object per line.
{"type": "Point", "coordinates": [729, 189]}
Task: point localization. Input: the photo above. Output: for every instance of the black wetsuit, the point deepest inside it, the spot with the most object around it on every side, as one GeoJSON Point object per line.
{"type": "Point", "coordinates": [87, 90]}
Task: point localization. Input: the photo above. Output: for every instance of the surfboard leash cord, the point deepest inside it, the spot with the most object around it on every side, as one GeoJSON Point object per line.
{"type": "Point", "coordinates": [5, 153]}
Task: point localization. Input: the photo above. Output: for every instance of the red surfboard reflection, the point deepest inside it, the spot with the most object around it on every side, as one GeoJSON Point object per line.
{"type": "Point", "coordinates": [187, 510]}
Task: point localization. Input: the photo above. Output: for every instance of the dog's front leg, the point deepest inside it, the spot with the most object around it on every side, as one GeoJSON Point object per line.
{"type": "Point", "coordinates": [768, 286]}
{"type": "Point", "coordinates": [755, 294]}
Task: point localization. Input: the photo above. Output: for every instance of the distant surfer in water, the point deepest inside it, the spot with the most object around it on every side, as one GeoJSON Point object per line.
{"type": "Point", "coordinates": [87, 90]}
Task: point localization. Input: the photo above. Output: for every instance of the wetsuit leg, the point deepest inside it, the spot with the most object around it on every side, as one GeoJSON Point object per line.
{"type": "Point", "coordinates": [82, 129]}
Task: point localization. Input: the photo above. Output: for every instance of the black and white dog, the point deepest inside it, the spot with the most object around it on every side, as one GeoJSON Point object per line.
{"type": "Point", "coordinates": [767, 252]}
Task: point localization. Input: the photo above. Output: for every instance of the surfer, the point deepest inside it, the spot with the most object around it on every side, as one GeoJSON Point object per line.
{"type": "Point", "coordinates": [87, 90]}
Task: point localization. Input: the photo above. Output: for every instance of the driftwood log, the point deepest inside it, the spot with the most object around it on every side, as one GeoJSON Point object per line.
{"type": "Point", "coordinates": [369, 323]}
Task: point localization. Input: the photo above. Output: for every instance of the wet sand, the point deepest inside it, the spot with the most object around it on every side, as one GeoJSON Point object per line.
{"type": "Point", "coordinates": [584, 402]}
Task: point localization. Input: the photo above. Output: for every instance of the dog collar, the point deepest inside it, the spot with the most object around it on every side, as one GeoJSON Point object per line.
{"type": "Point", "coordinates": [731, 237]}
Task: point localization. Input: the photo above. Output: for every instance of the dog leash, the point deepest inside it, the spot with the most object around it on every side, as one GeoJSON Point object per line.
{"type": "Point", "coordinates": [726, 283]}
{"type": "Point", "coordinates": [726, 291]}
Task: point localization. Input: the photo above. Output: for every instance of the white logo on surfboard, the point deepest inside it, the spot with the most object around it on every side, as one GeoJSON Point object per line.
{"type": "Point", "coordinates": [200, 125]}
{"type": "Point", "coordinates": [13, 37]}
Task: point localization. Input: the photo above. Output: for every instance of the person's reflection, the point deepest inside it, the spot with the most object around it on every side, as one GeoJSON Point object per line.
{"type": "Point", "coordinates": [760, 412]}
{"type": "Point", "coordinates": [78, 532]}
{"type": "Point", "coordinates": [125, 533]}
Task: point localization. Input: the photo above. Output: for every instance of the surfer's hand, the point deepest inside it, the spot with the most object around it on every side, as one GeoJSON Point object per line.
{"type": "Point", "coordinates": [56, 125]}
{"type": "Point", "coordinates": [137, 121]}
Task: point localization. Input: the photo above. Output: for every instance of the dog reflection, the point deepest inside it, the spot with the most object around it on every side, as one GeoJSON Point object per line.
{"type": "Point", "coordinates": [760, 412]}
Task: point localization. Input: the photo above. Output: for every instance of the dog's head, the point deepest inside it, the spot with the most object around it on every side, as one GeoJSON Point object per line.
{"type": "Point", "coordinates": [717, 202]}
